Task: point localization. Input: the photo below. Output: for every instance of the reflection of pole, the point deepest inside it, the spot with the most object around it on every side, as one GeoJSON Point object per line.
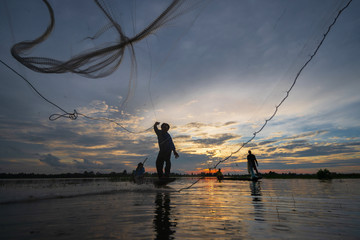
{"type": "Point", "coordinates": [163, 226]}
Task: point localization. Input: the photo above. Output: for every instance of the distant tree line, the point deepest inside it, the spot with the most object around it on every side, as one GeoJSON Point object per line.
{"type": "Point", "coordinates": [321, 174]}
{"type": "Point", "coordinates": [85, 174]}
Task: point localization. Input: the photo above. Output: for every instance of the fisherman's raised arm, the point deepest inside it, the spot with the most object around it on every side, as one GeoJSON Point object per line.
{"type": "Point", "coordinates": [156, 129]}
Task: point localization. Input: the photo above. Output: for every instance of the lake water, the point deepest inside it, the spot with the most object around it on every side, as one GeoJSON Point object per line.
{"type": "Point", "coordinates": [101, 209]}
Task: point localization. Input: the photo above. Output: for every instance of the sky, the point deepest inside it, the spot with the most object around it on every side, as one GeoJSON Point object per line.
{"type": "Point", "coordinates": [215, 73]}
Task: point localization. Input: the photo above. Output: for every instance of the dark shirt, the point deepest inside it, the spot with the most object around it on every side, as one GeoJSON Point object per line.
{"type": "Point", "coordinates": [139, 171]}
{"type": "Point", "coordinates": [165, 141]}
{"type": "Point", "coordinates": [251, 158]}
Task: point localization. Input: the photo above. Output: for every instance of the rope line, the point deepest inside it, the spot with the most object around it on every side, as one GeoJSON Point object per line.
{"type": "Point", "coordinates": [286, 96]}
{"type": "Point", "coordinates": [75, 114]}
{"type": "Point", "coordinates": [188, 187]}
{"type": "Point", "coordinates": [292, 85]}
{"type": "Point", "coordinates": [32, 86]}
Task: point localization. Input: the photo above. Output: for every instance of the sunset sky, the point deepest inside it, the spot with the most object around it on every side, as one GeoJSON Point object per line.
{"type": "Point", "coordinates": [215, 73]}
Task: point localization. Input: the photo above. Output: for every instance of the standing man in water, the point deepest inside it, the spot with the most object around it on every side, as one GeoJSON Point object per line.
{"type": "Point", "coordinates": [252, 165]}
{"type": "Point", "coordinates": [166, 146]}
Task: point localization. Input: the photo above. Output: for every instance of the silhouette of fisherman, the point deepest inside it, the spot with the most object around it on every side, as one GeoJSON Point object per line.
{"type": "Point", "coordinates": [252, 165]}
{"type": "Point", "coordinates": [219, 175]}
{"type": "Point", "coordinates": [166, 146]}
{"type": "Point", "coordinates": [138, 174]}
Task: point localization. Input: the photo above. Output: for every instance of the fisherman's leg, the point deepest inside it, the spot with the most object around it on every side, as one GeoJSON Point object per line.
{"type": "Point", "coordinates": [167, 168]}
{"type": "Point", "coordinates": [168, 165]}
{"type": "Point", "coordinates": [256, 170]}
{"type": "Point", "coordinates": [252, 173]}
{"type": "Point", "coordinates": [159, 165]}
{"type": "Point", "coordinates": [251, 166]}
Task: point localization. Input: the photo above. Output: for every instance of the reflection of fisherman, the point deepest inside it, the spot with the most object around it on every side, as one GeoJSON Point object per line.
{"type": "Point", "coordinates": [257, 201]}
{"type": "Point", "coordinates": [252, 165]}
{"type": "Point", "coordinates": [166, 146]}
{"type": "Point", "coordinates": [164, 223]}
{"type": "Point", "coordinates": [219, 175]}
{"type": "Point", "coordinates": [139, 172]}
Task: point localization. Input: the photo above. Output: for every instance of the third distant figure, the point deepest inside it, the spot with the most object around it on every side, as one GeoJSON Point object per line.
{"type": "Point", "coordinates": [252, 165]}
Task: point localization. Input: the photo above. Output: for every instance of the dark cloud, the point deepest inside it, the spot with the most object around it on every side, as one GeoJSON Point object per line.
{"type": "Point", "coordinates": [188, 159]}
{"type": "Point", "coordinates": [91, 140]}
{"type": "Point", "coordinates": [251, 145]}
{"type": "Point", "coordinates": [10, 149]}
{"type": "Point", "coordinates": [327, 149]}
{"type": "Point", "coordinates": [196, 125]}
{"type": "Point", "coordinates": [86, 164]}
{"type": "Point", "coordinates": [199, 125]}
{"type": "Point", "coordinates": [218, 139]}
{"type": "Point", "coordinates": [102, 166]}
{"type": "Point", "coordinates": [182, 137]}
{"type": "Point", "coordinates": [14, 151]}
{"type": "Point", "coordinates": [52, 160]}
{"type": "Point", "coordinates": [307, 135]}
{"type": "Point", "coordinates": [65, 134]}
{"type": "Point", "coordinates": [304, 148]}
{"type": "Point", "coordinates": [230, 123]}
{"type": "Point", "coordinates": [296, 144]}
{"type": "Point", "coordinates": [267, 142]}
{"type": "Point", "coordinates": [289, 164]}
{"type": "Point", "coordinates": [311, 134]}
{"type": "Point", "coordinates": [272, 149]}
{"type": "Point", "coordinates": [298, 141]}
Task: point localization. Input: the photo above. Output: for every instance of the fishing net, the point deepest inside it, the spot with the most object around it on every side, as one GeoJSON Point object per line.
{"type": "Point", "coordinates": [95, 63]}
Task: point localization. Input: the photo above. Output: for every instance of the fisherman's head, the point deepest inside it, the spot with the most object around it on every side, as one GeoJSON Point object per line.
{"type": "Point", "coordinates": [249, 152]}
{"type": "Point", "coordinates": [165, 127]}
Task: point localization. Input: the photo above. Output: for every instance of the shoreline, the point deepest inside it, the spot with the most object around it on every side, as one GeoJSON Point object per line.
{"type": "Point", "coordinates": [129, 177]}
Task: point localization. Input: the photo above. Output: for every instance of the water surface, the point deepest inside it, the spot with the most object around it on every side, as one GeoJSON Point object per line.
{"type": "Point", "coordinates": [101, 209]}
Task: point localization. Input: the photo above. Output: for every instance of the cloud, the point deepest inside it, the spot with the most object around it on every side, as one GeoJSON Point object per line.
{"type": "Point", "coordinates": [288, 164]}
{"type": "Point", "coordinates": [182, 137]}
{"type": "Point", "coordinates": [311, 134]}
{"type": "Point", "coordinates": [296, 138]}
{"type": "Point", "coordinates": [86, 164]}
{"type": "Point", "coordinates": [230, 123]}
{"type": "Point", "coordinates": [267, 142]}
{"type": "Point", "coordinates": [218, 139]}
{"type": "Point", "coordinates": [305, 150]}
{"type": "Point", "coordinates": [51, 160]}
{"type": "Point", "coordinates": [196, 125]}
{"type": "Point", "coordinates": [324, 149]}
